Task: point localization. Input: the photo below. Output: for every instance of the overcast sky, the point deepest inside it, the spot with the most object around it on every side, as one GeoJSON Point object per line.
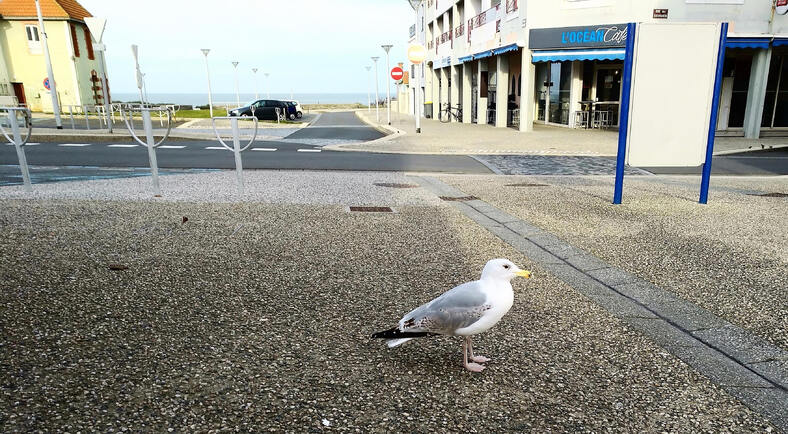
{"type": "Point", "coordinates": [306, 45]}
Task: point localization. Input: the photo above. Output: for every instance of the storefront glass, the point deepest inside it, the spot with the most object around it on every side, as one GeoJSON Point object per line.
{"type": "Point", "coordinates": [775, 108]}
{"type": "Point", "coordinates": [553, 81]}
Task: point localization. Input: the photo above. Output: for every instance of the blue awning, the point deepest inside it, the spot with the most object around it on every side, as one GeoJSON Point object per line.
{"type": "Point", "coordinates": [780, 42]}
{"type": "Point", "coordinates": [563, 55]}
{"type": "Point", "coordinates": [465, 59]}
{"type": "Point", "coordinates": [505, 49]}
{"type": "Point", "coordinates": [482, 55]}
{"type": "Point", "coordinates": [762, 43]}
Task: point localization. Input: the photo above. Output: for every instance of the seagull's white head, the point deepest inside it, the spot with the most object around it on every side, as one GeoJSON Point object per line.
{"type": "Point", "coordinates": [503, 269]}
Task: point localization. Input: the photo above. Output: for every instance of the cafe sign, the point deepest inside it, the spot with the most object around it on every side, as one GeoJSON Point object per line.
{"type": "Point", "coordinates": [601, 36]}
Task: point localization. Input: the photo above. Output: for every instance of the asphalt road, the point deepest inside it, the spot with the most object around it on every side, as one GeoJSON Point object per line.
{"type": "Point", "coordinates": [57, 161]}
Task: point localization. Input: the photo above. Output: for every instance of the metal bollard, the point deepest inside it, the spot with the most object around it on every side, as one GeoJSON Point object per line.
{"type": "Point", "coordinates": [17, 140]}
{"type": "Point", "coordinates": [150, 143]}
{"type": "Point", "coordinates": [85, 110]}
{"type": "Point", "coordinates": [71, 113]}
{"type": "Point", "coordinates": [236, 149]}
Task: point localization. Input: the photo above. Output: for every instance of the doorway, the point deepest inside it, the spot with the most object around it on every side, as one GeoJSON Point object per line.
{"type": "Point", "coordinates": [19, 92]}
{"type": "Point", "coordinates": [607, 90]}
{"type": "Point", "coordinates": [553, 87]}
{"type": "Point", "coordinates": [775, 107]}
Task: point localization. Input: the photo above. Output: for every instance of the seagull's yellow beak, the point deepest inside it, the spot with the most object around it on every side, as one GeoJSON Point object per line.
{"type": "Point", "coordinates": [524, 273]}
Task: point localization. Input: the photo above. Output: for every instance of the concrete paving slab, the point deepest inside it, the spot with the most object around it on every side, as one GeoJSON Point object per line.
{"type": "Point", "coordinates": [664, 334]}
{"type": "Point", "coordinates": [744, 346]}
{"type": "Point", "coordinates": [612, 276]}
{"type": "Point", "coordinates": [770, 402]}
{"type": "Point", "coordinates": [523, 228]}
{"type": "Point", "coordinates": [775, 370]}
{"type": "Point", "coordinates": [584, 261]}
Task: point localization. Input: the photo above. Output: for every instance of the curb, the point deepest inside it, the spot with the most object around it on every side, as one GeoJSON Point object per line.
{"type": "Point", "coordinates": [390, 134]}
{"type": "Point", "coordinates": [745, 150]}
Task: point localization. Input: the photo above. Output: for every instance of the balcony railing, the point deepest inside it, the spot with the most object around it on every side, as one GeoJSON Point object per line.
{"type": "Point", "coordinates": [511, 6]}
{"type": "Point", "coordinates": [459, 30]}
{"type": "Point", "coordinates": [485, 17]}
{"type": "Point", "coordinates": [446, 37]}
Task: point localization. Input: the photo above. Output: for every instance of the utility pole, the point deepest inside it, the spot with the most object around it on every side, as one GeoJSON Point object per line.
{"type": "Point", "coordinates": [50, 74]}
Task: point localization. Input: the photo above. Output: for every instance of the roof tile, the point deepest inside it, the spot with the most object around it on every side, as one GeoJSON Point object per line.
{"type": "Point", "coordinates": [49, 9]}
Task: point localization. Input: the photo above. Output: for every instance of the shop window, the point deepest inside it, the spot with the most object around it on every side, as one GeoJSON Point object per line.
{"type": "Point", "coordinates": [775, 107]}
{"type": "Point", "coordinates": [740, 70]}
{"type": "Point", "coordinates": [33, 39]}
{"type": "Point", "coordinates": [89, 44]}
{"type": "Point", "coordinates": [74, 39]}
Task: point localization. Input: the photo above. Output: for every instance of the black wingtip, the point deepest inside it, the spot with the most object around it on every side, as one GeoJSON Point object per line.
{"type": "Point", "coordinates": [396, 333]}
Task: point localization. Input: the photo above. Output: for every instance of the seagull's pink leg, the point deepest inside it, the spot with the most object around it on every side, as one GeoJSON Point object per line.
{"type": "Point", "coordinates": [477, 359]}
{"type": "Point", "coordinates": [473, 367]}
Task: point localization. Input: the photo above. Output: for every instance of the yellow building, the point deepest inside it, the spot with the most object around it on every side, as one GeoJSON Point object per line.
{"type": "Point", "coordinates": [74, 62]}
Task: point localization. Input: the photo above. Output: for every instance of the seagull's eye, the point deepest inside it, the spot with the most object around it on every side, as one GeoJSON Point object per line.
{"type": "Point", "coordinates": [506, 266]}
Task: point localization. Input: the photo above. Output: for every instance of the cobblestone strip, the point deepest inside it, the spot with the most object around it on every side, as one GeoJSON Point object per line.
{"type": "Point", "coordinates": [747, 367]}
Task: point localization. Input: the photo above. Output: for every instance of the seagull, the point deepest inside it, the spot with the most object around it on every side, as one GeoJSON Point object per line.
{"type": "Point", "coordinates": [465, 310]}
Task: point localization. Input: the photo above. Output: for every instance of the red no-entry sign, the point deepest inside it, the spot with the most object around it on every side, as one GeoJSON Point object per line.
{"type": "Point", "coordinates": [397, 73]}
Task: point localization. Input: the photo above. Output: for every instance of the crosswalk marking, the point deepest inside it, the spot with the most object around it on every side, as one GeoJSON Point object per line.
{"type": "Point", "coordinates": [74, 145]}
{"type": "Point", "coordinates": [309, 150]}
{"type": "Point", "coordinates": [220, 148]}
{"type": "Point", "coordinates": [171, 147]}
{"type": "Point", "coordinates": [122, 146]}
{"type": "Point", "coordinates": [264, 149]}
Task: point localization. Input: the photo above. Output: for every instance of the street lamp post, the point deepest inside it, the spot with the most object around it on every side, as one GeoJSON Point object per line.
{"type": "Point", "coordinates": [135, 52]}
{"type": "Point", "coordinates": [205, 52]}
{"type": "Point", "coordinates": [369, 98]}
{"type": "Point", "coordinates": [237, 91]}
{"type": "Point", "coordinates": [256, 93]}
{"type": "Point", "coordinates": [267, 89]}
{"type": "Point", "coordinates": [377, 97]}
{"type": "Point", "coordinates": [387, 48]}
{"type": "Point", "coordinates": [50, 74]}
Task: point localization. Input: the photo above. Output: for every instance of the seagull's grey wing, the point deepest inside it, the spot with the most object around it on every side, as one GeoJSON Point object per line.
{"type": "Point", "coordinates": [457, 308]}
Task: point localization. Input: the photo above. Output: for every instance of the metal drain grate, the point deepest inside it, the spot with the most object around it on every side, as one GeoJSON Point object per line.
{"type": "Point", "coordinates": [370, 209]}
{"type": "Point", "coordinates": [395, 185]}
{"type": "Point", "coordinates": [458, 199]}
{"type": "Point", "coordinates": [526, 184]}
{"type": "Point", "coordinates": [770, 195]}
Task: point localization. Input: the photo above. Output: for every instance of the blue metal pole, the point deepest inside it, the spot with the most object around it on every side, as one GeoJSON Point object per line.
{"type": "Point", "coordinates": [706, 177]}
{"type": "Point", "coordinates": [623, 124]}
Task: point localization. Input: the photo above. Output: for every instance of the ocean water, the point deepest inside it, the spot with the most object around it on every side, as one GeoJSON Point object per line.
{"type": "Point", "coordinates": [230, 98]}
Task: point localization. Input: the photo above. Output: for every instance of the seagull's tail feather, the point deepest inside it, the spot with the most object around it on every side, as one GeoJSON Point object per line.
{"type": "Point", "coordinates": [397, 342]}
{"type": "Point", "coordinates": [396, 337]}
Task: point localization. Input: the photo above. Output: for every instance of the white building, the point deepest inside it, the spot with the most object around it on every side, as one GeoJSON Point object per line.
{"type": "Point", "coordinates": [559, 62]}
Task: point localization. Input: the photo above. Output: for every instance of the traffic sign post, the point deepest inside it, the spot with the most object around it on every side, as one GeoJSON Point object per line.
{"type": "Point", "coordinates": [416, 54]}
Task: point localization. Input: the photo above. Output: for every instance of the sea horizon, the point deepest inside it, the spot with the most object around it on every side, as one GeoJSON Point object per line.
{"type": "Point", "coordinates": [231, 99]}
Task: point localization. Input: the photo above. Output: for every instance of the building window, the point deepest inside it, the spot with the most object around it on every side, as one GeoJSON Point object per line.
{"type": "Point", "coordinates": [74, 40]}
{"type": "Point", "coordinates": [89, 44]}
{"type": "Point", "coordinates": [33, 39]}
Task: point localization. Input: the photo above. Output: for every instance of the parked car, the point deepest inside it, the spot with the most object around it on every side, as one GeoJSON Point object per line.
{"type": "Point", "coordinates": [294, 110]}
{"type": "Point", "coordinates": [264, 109]}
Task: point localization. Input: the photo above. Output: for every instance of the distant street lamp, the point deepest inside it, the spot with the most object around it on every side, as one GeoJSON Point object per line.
{"type": "Point", "coordinates": [267, 88]}
{"type": "Point", "coordinates": [135, 51]}
{"type": "Point", "coordinates": [237, 91]}
{"type": "Point", "coordinates": [377, 97]}
{"type": "Point", "coordinates": [256, 94]}
{"type": "Point", "coordinates": [50, 74]}
{"type": "Point", "coordinates": [96, 27]}
{"type": "Point", "coordinates": [205, 52]}
{"type": "Point", "coordinates": [387, 48]}
{"type": "Point", "coordinates": [369, 98]}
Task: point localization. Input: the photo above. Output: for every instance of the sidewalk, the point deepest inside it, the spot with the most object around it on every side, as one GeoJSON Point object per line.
{"type": "Point", "coordinates": [471, 139]}
{"type": "Point", "coordinates": [204, 310]}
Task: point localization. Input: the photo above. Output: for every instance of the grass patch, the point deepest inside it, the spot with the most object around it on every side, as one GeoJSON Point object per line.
{"type": "Point", "coordinates": [200, 114]}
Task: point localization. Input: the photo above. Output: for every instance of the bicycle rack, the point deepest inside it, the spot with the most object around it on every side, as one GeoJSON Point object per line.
{"type": "Point", "coordinates": [17, 141]}
{"type": "Point", "coordinates": [236, 149]}
{"type": "Point", "coordinates": [151, 143]}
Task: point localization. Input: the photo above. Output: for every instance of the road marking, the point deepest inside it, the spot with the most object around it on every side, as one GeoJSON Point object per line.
{"type": "Point", "coordinates": [309, 150]}
{"type": "Point", "coordinates": [264, 149]}
{"type": "Point", "coordinates": [220, 148]}
{"type": "Point", "coordinates": [172, 147]}
{"type": "Point", "coordinates": [74, 145]}
{"type": "Point", "coordinates": [26, 144]}
{"type": "Point", "coordinates": [122, 146]}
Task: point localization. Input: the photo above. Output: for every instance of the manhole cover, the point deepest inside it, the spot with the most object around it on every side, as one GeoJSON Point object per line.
{"type": "Point", "coordinates": [770, 195]}
{"type": "Point", "coordinates": [458, 199]}
{"type": "Point", "coordinates": [526, 184]}
{"type": "Point", "coordinates": [371, 209]}
{"type": "Point", "coordinates": [395, 185]}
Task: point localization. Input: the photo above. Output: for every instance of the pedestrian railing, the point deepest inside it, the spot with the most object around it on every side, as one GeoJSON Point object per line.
{"type": "Point", "coordinates": [16, 138]}
{"type": "Point", "coordinates": [236, 149]}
